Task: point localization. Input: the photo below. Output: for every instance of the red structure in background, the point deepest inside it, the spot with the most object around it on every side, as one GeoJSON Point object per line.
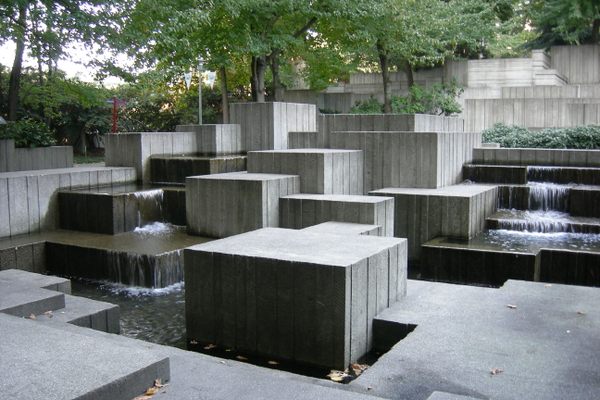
{"type": "Point", "coordinates": [116, 103]}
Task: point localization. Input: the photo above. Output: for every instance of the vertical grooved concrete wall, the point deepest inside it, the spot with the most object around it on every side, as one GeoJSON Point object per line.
{"type": "Point", "coordinates": [26, 159]}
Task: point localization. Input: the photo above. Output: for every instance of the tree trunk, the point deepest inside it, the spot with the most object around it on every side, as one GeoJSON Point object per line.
{"type": "Point", "coordinates": [224, 98]}
{"type": "Point", "coordinates": [409, 74]}
{"type": "Point", "coordinates": [596, 31]}
{"type": "Point", "coordinates": [258, 78]}
{"type": "Point", "coordinates": [278, 90]}
{"type": "Point", "coordinates": [15, 74]}
{"type": "Point", "coordinates": [384, 65]}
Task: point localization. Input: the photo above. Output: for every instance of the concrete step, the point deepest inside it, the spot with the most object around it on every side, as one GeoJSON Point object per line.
{"type": "Point", "coordinates": [564, 175]}
{"type": "Point", "coordinates": [174, 169]}
{"type": "Point", "coordinates": [494, 256]}
{"type": "Point", "coordinates": [585, 201]}
{"type": "Point", "coordinates": [303, 210]}
{"type": "Point", "coordinates": [43, 361]}
{"type": "Point", "coordinates": [345, 228]}
{"type": "Point", "coordinates": [25, 278]}
{"type": "Point", "coordinates": [321, 171]}
{"type": "Point", "coordinates": [22, 300]}
{"type": "Point", "coordinates": [542, 221]}
{"type": "Point", "coordinates": [481, 173]}
{"type": "Point", "coordinates": [222, 205]}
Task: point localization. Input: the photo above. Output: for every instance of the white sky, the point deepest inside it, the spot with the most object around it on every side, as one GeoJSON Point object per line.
{"type": "Point", "coordinates": [71, 66]}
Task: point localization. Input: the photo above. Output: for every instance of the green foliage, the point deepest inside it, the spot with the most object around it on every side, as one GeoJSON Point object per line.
{"type": "Point", "coordinates": [370, 106]}
{"type": "Point", "coordinates": [581, 137]}
{"type": "Point", "coordinates": [28, 133]}
{"type": "Point", "coordinates": [440, 99]}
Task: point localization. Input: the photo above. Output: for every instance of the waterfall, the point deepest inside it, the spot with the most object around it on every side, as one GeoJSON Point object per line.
{"type": "Point", "coordinates": [540, 226]}
{"type": "Point", "coordinates": [149, 205]}
{"type": "Point", "coordinates": [145, 270]}
{"type": "Point", "coordinates": [544, 174]}
{"type": "Point", "coordinates": [548, 196]}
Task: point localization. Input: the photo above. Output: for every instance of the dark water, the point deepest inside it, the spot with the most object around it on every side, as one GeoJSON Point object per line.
{"type": "Point", "coordinates": [153, 315]}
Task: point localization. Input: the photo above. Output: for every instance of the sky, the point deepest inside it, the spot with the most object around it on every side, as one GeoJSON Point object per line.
{"type": "Point", "coordinates": [72, 68]}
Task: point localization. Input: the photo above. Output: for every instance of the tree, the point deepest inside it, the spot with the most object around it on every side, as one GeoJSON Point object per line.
{"type": "Point", "coordinates": [565, 21]}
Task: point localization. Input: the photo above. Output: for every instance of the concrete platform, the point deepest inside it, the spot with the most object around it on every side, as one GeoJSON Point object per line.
{"type": "Point", "coordinates": [222, 205]}
{"type": "Point", "coordinates": [22, 300]}
{"type": "Point", "coordinates": [345, 228]}
{"type": "Point", "coordinates": [174, 169]}
{"type": "Point", "coordinates": [24, 278]}
{"type": "Point", "coordinates": [321, 171]}
{"type": "Point", "coordinates": [28, 199]}
{"type": "Point", "coordinates": [219, 139]}
{"type": "Point", "coordinates": [295, 295]}
{"type": "Point", "coordinates": [545, 344]}
{"type": "Point", "coordinates": [303, 210]}
{"type": "Point", "coordinates": [457, 211]}
{"type": "Point", "coordinates": [62, 364]}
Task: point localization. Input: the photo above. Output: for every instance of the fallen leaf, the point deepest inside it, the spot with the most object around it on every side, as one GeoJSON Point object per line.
{"type": "Point", "coordinates": [193, 342]}
{"type": "Point", "coordinates": [581, 312]}
{"type": "Point", "coordinates": [143, 397]}
{"type": "Point", "coordinates": [496, 371]}
{"type": "Point", "coordinates": [158, 383]}
{"type": "Point", "coordinates": [271, 362]}
{"type": "Point", "coordinates": [241, 358]}
{"type": "Point", "coordinates": [49, 314]}
{"type": "Point", "coordinates": [32, 316]}
{"type": "Point", "coordinates": [151, 391]}
{"type": "Point", "coordinates": [358, 369]}
{"type": "Point", "coordinates": [338, 376]}
{"type": "Point", "coordinates": [512, 306]}
{"type": "Point", "coordinates": [210, 346]}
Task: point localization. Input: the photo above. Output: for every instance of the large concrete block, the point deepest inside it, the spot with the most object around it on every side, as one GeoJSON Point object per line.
{"type": "Point", "coordinates": [174, 169]}
{"type": "Point", "coordinates": [265, 126]}
{"type": "Point", "coordinates": [216, 140]}
{"type": "Point", "coordinates": [222, 205]}
{"type": "Point", "coordinates": [321, 171]}
{"type": "Point", "coordinates": [409, 159]}
{"type": "Point", "coordinates": [296, 295]}
{"type": "Point", "coordinates": [456, 211]}
{"type": "Point", "coordinates": [303, 210]}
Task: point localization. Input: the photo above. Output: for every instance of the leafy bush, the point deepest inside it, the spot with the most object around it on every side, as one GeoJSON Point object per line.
{"type": "Point", "coordinates": [370, 106]}
{"type": "Point", "coordinates": [581, 137]}
{"type": "Point", "coordinates": [440, 99]}
{"type": "Point", "coordinates": [28, 133]}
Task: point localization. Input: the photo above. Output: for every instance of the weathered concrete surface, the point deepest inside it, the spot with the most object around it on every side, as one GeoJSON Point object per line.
{"type": "Point", "coordinates": [584, 201]}
{"type": "Point", "coordinates": [28, 279]}
{"type": "Point", "coordinates": [22, 254]}
{"type": "Point", "coordinates": [265, 126]}
{"type": "Point", "coordinates": [297, 295]}
{"type": "Point", "coordinates": [216, 140]}
{"type": "Point", "coordinates": [303, 210]}
{"type": "Point", "coordinates": [22, 300]}
{"type": "Point", "coordinates": [222, 205]}
{"type": "Point", "coordinates": [457, 211]}
{"type": "Point", "coordinates": [481, 173]}
{"type": "Point", "coordinates": [345, 228]}
{"type": "Point", "coordinates": [174, 169]}
{"type": "Point", "coordinates": [544, 157]}
{"type": "Point", "coordinates": [410, 159]}
{"type": "Point", "coordinates": [546, 346]}
{"type": "Point", "coordinates": [29, 199]}
{"type": "Point", "coordinates": [41, 361]}
{"type": "Point", "coordinates": [23, 159]}
{"type": "Point", "coordinates": [322, 171]}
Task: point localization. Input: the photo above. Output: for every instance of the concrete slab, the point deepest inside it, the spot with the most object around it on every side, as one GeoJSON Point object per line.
{"type": "Point", "coordinates": [330, 286]}
{"type": "Point", "coordinates": [345, 228]}
{"type": "Point", "coordinates": [62, 364]}
{"type": "Point", "coordinates": [541, 339]}
{"type": "Point", "coordinates": [30, 279]}
{"type": "Point", "coordinates": [22, 300]}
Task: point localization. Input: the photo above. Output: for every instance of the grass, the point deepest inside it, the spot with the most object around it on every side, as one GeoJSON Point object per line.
{"type": "Point", "coordinates": [89, 159]}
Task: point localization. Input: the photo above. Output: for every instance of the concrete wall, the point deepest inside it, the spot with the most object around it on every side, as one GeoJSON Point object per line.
{"type": "Point", "coordinates": [579, 64]}
{"type": "Point", "coordinates": [23, 159]}
{"type": "Point", "coordinates": [557, 157]}
{"type": "Point", "coordinates": [216, 140]}
{"type": "Point", "coordinates": [328, 123]}
{"type": "Point", "coordinates": [531, 113]}
{"type": "Point", "coordinates": [454, 211]}
{"type": "Point", "coordinates": [410, 159]}
{"type": "Point", "coordinates": [29, 199]}
{"type": "Point", "coordinates": [134, 149]}
{"type": "Point", "coordinates": [265, 126]}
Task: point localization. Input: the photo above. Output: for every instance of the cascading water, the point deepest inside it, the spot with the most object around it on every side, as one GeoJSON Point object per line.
{"type": "Point", "coordinates": [535, 221]}
{"type": "Point", "coordinates": [548, 196]}
{"type": "Point", "coordinates": [149, 205]}
{"type": "Point", "coordinates": [544, 174]}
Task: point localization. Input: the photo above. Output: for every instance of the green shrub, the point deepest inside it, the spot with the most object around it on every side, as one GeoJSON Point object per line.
{"type": "Point", "coordinates": [370, 106]}
{"type": "Point", "coordinates": [581, 137]}
{"type": "Point", "coordinates": [28, 133]}
{"type": "Point", "coordinates": [439, 99]}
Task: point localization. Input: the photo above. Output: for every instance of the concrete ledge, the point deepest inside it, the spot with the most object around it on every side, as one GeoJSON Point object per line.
{"type": "Point", "coordinates": [422, 214]}
{"type": "Point", "coordinates": [321, 171]}
{"type": "Point", "coordinates": [29, 256]}
{"type": "Point", "coordinates": [303, 210]}
{"type": "Point", "coordinates": [23, 300]}
{"type": "Point", "coordinates": [29, 199]}
{"type": "Point", "coordinates": [297, 295]}
{"type": "Point", "coordinates": [570, 267]}
{"type": "Point", "coordinates": [28, 279]}
{"type": "Point", "coordinates": [174, 169]}
{"type": "Point", "coordinates": [584, 201]}
{"type": "Point", "coordinates": [345, 228]}
{"type": "Point", "coordinates": [222, 205]}
{"type": "Point", "coordinates": [495, 173]}
{"type": "Point", "coordinates": [24, 159]}
{"type": "Point", "coordinates": [549, 157]}
{"type": "Point", "coordinates": [410, 159]}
